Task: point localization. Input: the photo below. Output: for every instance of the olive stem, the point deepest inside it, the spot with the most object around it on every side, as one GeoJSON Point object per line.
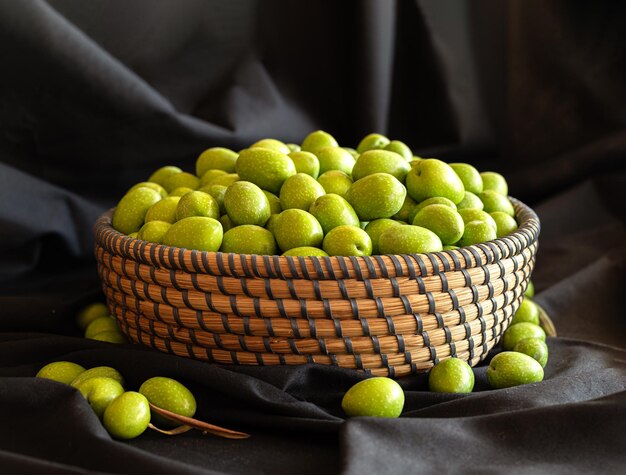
{"type": "Point", "coordinates": [546, 322]}
{"type": "Point", "coordinates": [205, 427]}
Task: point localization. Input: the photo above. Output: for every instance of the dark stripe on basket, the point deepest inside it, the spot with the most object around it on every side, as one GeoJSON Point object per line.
{"type": "Point", "coordinates": [303, 309]}
{"type": "Point", "coordinates": [478, 258]}
{"type": "Point", "coordinates": [494, 328]}
{"type": "Point", "coordinates": [292, 289]}
{"type": "Point", "coordinates": [359, 361]}
{"type": "Point", "coordinates": [233, 356]}
{"type": "Point", "coordinates": [323, 348]}
{"type": "Point", "coordinates": [454, 257]}
{"type": "Point", "coordinates": [205, 263]}
{"type": "Point", "coordinates": [516, 277]}
{"type": "Point", "coordinates": [420, 285]}
{"type": "Point", "coordinates": [246, 325]}
{"type": "Point", "coordinates": [225, 323]}
{"type": "Point", "coordinates": [293, 269]}
{"type": "Point", "coordinates": [343, 289]}
{"type": "Point", "coordinates": [166, 341]}
{"type": "Point", "coordinates": [209, 355]}
{"type": "Point", "coordinates": [494, 250]}
{"type": "Point", "coordinates": [444, 282]}
{"type": "Point", "coordinates": [487, 274]}
{"type": "Point", "coordinates": [183, 264]}
{"type": "Point", "coordinates": [312, 327]}
{"type": "Point", "coordinates": [490, 289]}
{"type": "Point", "coordinates": [453, 298]}
{"type": "Point", "coordinates": [381, 265]}
{"type": "Point", "coordinates": [431, 302]}
{"type": "Point", "coordinates": [185, 297]}
{"type": "Point", "coordinates": [318, 267]}
{"type": "Point", "coordinates": [434, 263]}
{"type": "Point", "coordinates": [194, 282]}
{"type": "Point", "coordinates": [327, 309]}
{"type": "Point", "coordinates": [200, 321]}
{"type": "Point", "coordinates": [157, 311]}
{"type": "Point", "coordinates": [394, 285]}
{"type": "Point", "coordinates": [338, 329]}
{"type": "Point", "coordinates": [342, 265]}
{"type": "Point", "coordinates": [489, 257]}
{"type": "Point", "coordinates": [267, 345]}
{"type": "Point", "coordinates": [349, 348]}
{"type": "Point", "coordinates": [294, 327]}
{"type": "Point", "coordinates": [192, 335]}
{"type": "Point", "coordinates": [164, 296]}
{"type": "Point", "coordinates": [448, 334]}
{"type": "Point", "coordinates": [268, 267]}
{"type": "Point", "coordinates": [259, 359]}
{"type": "Point", "coordinates": [370, 266]}
{"type": "Point", "coordinates": [256, 302]}
{"type": "Point", "coordinates": [171, 256]}
{"type": "Point", "coordinates": [333, 359]}
{"type": "Point", "coordinates": [369, 288]}
{"type": "Point", "coordinates": [329, 268]}
{"type": "Point", "coordinates": [277, 267]}
{"type": "Point", "coordinates": [483, 325]}
{"type": "Point", "coordinates": [194, 260]}
{"type": "Point", "coordinates": [354, 305]}
{"type": "Point", "coordinates": [317, 289]}
{"type": "Point", "coordinates": [209, 302]}
{"type": "Point", "coordinates": [385, 363]}
{"type": "Point", "coordinates": [390, 325]}
{"type": "Point", "coordinates": [468, 330]}
{"type": "Point", "coordinates": [365, 326]}
{"type": "Point", "coordinates": [418, 323]}
{"type": "Point", "coordinates": [444, 261]}
{"type": "Point", "coordinates": [439, 318]}
{"type": "Point", "coordinates": [303, 268]}
{"type": "Point", "coordinates": [422, 265]}
{"type": "Point", "coordinates": [401, 343]}
{"type": "Point", "coordinates": [396, 264]}
{"type": "Point", "coordinates": [407, 305]}
{"type": "Point", "coordinates": [480, 310]}
{"type": "Point", "coordinates": [176, 315]}
{"type": "Point", "coordinates": [357, 267]}
{"type": "Point", "coordinates": [269, 327]}
{"type": "Point", "coordinates": [433, 355]}
{"type": "Point", "coordinates": [220, 263]}
{"type": "Point", "coordinates": [243, 259]}
{"type": "Point", "coordinates": [268, 289]}
{"type": "Point", "coordinates": [410, 266]}
{"type": "Point", "coordinates": [376, 343]}
{"type": "Point", "coordinates": [466, 276]}
{"type": "Point", "coordinates": [426, 338]}
{"type": "Point", "coordinates": [475, 296]}
{"type": "Point", "coordinates": [466, 256]}
{"type": "Point", "coordinates": [452, 349]}
{"type": "Point", "coordinates": [173, 279]}
{"type": "Point", "coordinates": [231, 265]}
{"type": "Point", "coordinates": [244, 288]}
{"type": "Point", "coordinates": [281, 308]}
{"type": "Point", "coordinates": [255, 266]}
{"type": "Point", "coordinates": [408, 357]}
{"type": "Point", "coordinates": [190, 352]}
{"type": "Point", "coordinates": [293, 347]}
{"type": "Point", "coordinates": [505, 296]}
{"type": "Point", "coordinates": [502, 269]}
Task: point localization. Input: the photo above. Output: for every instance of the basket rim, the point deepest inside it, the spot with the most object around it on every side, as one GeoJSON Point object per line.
{"type": "Point", "coordinates": [319, 267]}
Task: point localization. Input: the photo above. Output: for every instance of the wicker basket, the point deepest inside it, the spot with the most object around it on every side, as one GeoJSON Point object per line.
{"type": "Point", "coordinates": [389, 315]}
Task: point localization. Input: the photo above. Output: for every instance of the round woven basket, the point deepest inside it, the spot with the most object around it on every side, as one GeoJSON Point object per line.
{"type": "Point", "coordinates": [389, 315]}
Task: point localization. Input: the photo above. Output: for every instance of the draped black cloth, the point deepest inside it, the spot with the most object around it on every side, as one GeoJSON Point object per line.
{"type": "Point", "coordinates": [94, 96]}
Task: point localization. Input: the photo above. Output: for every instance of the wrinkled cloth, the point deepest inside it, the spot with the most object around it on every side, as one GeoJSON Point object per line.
{"type": "Point", "coordinates": [94, 96]}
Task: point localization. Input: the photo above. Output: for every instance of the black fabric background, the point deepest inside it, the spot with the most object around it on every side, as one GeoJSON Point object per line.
{"type": "Point", "coordinates": [96, 95]}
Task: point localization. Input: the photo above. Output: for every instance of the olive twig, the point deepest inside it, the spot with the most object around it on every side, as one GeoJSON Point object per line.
{"type": "Point", "coordinates": [177, 430]}
{"type": "Point", "coordinates": [546, 321]}
{"type": "Point", "coordinates": [205, 427]}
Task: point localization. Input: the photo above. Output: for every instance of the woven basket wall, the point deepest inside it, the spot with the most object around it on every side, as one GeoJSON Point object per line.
{"type": "Point", "coordinates": [386, 315]}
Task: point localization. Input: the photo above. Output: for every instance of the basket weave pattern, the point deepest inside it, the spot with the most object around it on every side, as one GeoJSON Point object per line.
{"type": "Point", "coordinates": [386, 315]}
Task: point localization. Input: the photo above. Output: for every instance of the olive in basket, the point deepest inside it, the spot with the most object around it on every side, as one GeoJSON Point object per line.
{"type": "Point", "coordinates": [379, 180]}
